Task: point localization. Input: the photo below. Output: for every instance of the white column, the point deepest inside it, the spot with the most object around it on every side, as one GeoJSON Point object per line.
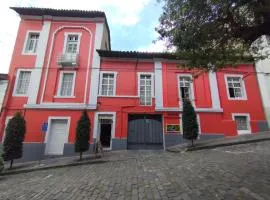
{"type": "Point", "coordinates": [94, 83]}
{"type": "Point", "coordinates": [214, 90]}
{"type": "Point", "coordinates": [36, 72]}
{"type": "Point", "coordinates": [158, 84]}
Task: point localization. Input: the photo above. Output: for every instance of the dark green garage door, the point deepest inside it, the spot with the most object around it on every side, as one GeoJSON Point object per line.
{"type": "Point", "coordinates": [145, 132]}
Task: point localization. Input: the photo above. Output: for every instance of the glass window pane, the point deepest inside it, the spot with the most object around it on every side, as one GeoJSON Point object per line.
{"type": "Point", "coordinates": [23, 82]}
{"type": "Point", "coordinates": [67, 84]}
{"type": "Point", "coordinates": [241, 122]}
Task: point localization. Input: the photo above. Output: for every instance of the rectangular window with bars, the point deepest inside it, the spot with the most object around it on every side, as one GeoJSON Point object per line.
{"type": "Point", "coordinates": [242, 122]}
{"type": "Point", "coordinates": [235, 87]}
{"type": "Point", "coordinates": [66, 88]}
{"type": "Point", "coordinates": [22, 83]}
{"type": "Point", "coordinates": [32, 43]}
{"type": "Point", "coordinates": [145, 89]}
{"type": "Point", "coordinates": [72, 44]}
{"type": "Point", "coordinates": [107, 87]}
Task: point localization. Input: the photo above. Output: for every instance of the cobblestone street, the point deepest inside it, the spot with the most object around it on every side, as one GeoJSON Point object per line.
{"type": "Point", "coordinates": [236, 172]}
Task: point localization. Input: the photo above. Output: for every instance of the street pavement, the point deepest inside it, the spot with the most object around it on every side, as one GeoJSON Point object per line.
{"type": "Point", "coordinates": [234, 172]}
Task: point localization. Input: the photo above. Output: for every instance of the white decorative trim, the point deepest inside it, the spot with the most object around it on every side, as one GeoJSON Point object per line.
{"type": "Point", "coordinates": [158, 84]}
{"type": "Point", "coordinates": [191, 88]}
{"type": "Point", "coordinates": [176, 109]}
{"type": "Point", "coordinates": [61, 81]}
{"type": "Point", "coordinates": [114, 82]}
{"type": "Point", "coordinates": [50, 55]}
{"type": "Point", "coordinates": [96, 126]}
{"type": "Point", "coordinates": [181, 124]}
{"type": "Point", "coordinates": [6, 122]}
{"type": "Point", "coordinates": [66, 34]}
{"type": "Point", "coordinates": [61, 106]}
{"type": "Point", "coordinates": [248, 122]}
{"type": "Point", "coordinates": [94, 83]}
{"type": "Point", "coordinates": [163, 133]}
{"type": "Point", "coordinates": [119, 96]}
{"type": "Point", "coordinates": [243, 88]}
{"type": "Point", "coordinates": [26, 40]}
{"type": "Point", "coordinates": [48, 133]}
{"type": "Point", "coordinates": [16, 83]}
{"type": "Point", "coordinates": [214, 89]}
{"type": "Point", "coordinates": [37, 72]}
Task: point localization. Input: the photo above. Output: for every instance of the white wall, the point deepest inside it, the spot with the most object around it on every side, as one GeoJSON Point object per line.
{"type": "Point", "coordinates": [263, 75]}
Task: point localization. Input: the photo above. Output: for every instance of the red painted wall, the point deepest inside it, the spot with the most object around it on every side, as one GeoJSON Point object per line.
{"type": "Point", "coordinates": [126, 85]}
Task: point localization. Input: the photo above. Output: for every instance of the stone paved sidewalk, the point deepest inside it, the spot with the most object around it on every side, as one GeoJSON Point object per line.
{"type": "Point", "coordinates": [238, 172]}
{"type": "Point", "coordinates": [228, 141]}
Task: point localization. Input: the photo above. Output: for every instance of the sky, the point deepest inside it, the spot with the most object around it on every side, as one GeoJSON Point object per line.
{"type": "Point", "coordinates": [132, 23]}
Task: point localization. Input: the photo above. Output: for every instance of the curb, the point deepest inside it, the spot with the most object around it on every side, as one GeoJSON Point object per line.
{"type": "Point", "coordinates": [52, 167]}
{"type": "Point", "coordinates": [227, 144]}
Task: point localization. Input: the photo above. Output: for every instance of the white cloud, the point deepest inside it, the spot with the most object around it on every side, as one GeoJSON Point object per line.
{"type": "Point", "coordinates": [119, 12]}
{"type": "Point", "coordinates": [158, 46]}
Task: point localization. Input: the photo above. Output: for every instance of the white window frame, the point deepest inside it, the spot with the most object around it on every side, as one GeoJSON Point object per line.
{"type": "Point", "coordinates": [24, 52]}
{"type": "Point", "coordinates": [152, 85]}
{"type": "Point", "coordinates": [79, 34]}
{"type": "Point", "coordinates": [114, 83]}
{"type": "Point", "coordinates": [6, 123]}
{"type": "Point", "coordinates": [60, 81]}
{"type": "Point", "coordinates": [243, 87]}
{"type": "Point", "coordinates": [191, 89]}
{"type": "Point", "coordinates": [16, 83]}
{"type": "Point", "coordinates": [97, 128]}
{"type": "Point", "coordinates": [241, 132]}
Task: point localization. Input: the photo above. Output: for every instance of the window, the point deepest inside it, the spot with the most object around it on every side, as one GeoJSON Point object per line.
{"type": "Point", "coordinates": [107, 87]}
{"type": "Point", "coordinates": [72, 44]}
{"type": "Point", "coordinates": [22, 83]}
{"type": "Point", "coordinates": [66, 85]}
{"type": "Point", "coordinates": [185, 83]}
{"type": "Point", "coordinates": [242, 123]}
{"type": "Point", "coordinates": [31, 44]}
{"type": "Point", "coordinates": [145, 89]}
{"type": "Point", "coordinates": [235, 87]}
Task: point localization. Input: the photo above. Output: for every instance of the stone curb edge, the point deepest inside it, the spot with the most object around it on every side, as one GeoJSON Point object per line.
{"type": "Point", "coordinates": [185, 149]}
{"type": "Point", "coordinates": [226, 144]}
{"type": "Point", "coordinates": [52, 167]}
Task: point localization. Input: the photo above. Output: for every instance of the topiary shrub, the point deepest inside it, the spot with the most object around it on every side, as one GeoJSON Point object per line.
{"type": "Point", "coordinates": [13, 143]}
{"type": "Point", "coordinates": [190, 123]}
{"type": "Point", "coordinates": [82, 134]}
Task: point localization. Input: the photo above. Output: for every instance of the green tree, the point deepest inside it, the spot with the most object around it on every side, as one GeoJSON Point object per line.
{"type": "Point", "coordinates": [190, 123]}
{"type": "Point", "coordinates": [13, 143]}
{"type": "Point", "coordinates": [213, 33]}
{"type": "Point", "coordinates": [82, 134]}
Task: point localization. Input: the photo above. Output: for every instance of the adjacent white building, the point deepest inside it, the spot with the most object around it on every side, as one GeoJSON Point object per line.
{"type": "Point", "coordinates": [263, 73]}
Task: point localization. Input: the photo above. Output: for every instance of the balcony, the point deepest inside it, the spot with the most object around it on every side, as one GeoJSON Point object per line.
{"type": "Point", "coordinates": [68, 60]}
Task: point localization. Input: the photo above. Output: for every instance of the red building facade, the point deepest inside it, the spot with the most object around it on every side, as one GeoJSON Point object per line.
{"type": "Point", "coordinates": [63, 64]}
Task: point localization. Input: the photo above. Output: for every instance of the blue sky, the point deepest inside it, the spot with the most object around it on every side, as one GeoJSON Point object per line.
{"type": "Point", "coordinates": [132, 23]}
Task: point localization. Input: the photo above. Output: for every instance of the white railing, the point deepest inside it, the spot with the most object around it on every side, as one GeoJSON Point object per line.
{"type": "Point", "coordinates": [68, 60]}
